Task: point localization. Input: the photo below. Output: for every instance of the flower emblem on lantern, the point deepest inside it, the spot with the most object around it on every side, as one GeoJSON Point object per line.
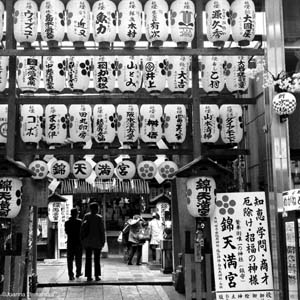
{"type": "Point", "coordinates": [226, 206]}
{"type": "Point", "coordinates": [85, 68]}
{"type": "Point", "coordinates": [167, 169]}
{"type": "Point", "coordinates": [40, 168]}
{"type": "Point", "coordinates": [147, 169]}
{"type": "Point", "coordinates": [104, 169]}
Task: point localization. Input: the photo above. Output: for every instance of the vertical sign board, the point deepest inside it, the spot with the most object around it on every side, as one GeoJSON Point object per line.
{"type": "Point", "coordinates": [241, 251]}
{"type": "Point", "coordinates": [65, 214]}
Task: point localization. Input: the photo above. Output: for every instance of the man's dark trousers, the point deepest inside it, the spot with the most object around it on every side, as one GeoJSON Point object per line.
{"type": "Point", "coordinates": [74, 251]}
{"type": "Point", "coordinates": [88, 263]}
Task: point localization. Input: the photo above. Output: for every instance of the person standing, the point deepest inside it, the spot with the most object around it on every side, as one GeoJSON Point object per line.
{"type": "Point", "coordinates": [93, 239]}
{"type": "Point", "coordinates": [156, 233]}
{"type": "Point", "coordinates": [74, 248]}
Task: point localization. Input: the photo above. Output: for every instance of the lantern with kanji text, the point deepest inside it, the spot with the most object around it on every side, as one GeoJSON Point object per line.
{"type": "Point", "coordinates": [3, 123]}
{"type": "Point", "coordinates": [125, 170]}
{"type": "Point", "coordinates": [4, 60]}
{"type": "Point", "coordinates": [104, 169]}
{"type": "Point", "coordinates": [60, 169]}
{"type": "Point", "coordinates": [82, 169]}
{"type": "Point", "coordinates": [209, 123]}
{"type": "Point", "coordinates": [55, 207]}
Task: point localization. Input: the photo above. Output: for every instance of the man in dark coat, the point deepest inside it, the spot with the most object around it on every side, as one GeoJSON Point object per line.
{"type": "Point", "coordinates": [93, 239]}
{"type": "Point", "coordinates": [74, 248]}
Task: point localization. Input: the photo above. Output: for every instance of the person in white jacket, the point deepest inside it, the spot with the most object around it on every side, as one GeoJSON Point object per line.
{"type": "Point", "coordinates": [156, 233]}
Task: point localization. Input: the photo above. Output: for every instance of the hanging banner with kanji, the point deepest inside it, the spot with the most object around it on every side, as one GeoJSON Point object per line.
{"type": "Point", "coordinates": [241, 248]}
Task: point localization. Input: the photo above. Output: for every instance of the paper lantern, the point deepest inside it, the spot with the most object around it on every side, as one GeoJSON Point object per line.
{"type": "Point", "coordinates": [104, 73]}
{"type": "Point", "coordinates": [79, 71]}
{"type": "Point", "coordinates": [10, 197]}
{"type": "Point", "coordinates": [54, 73]}
{"type": "Point", "coordinates": [167, 169]}
{"type": "Point", "coordinates": [201, 196]}
{"type": "Point", "coordinates": [209, 123]}
{"type": "Point", "coordinates": [3, 123]}
{"type": "Point", "coordinates": [156, 21]}
{"type": "Point", "coordinates": [82, 169]}
{"type": "Point", "coordinates": [218, 21]}
{"type": "Point", "coordinates": [175, 123]}
{"type": "Point", "coordinates": [125, 170]}
{"type": "Point", "coordinates": [52, 14]}
{"type": "Point", "coordinates": [151, 123]}
{"type": "Point", "coordinates": [2, 10]}
{"type": "Point", "coordinates": [284, 103]}
{"type": "Point", "coordinates": [55, 124]}
{"type": "Point", "coordinates": [25, 21]}
{"type": "Point", "coordinates": [104, 22]}
{"type": "Point", "coordinates": [54, 211]}
{"type": "Point", "coordinates": [182, 14]}
{"type": "Point", "coordinates": [40, 168]}
{"type": "Point", "coordinates": [128, 123]}
{"type": "Point", "coordinates": [31, 123]}
{"type": "Point", "coordinates": [231, 123]}
{"type": "Point", "coordinates": [104, 123]}
{"type": "Point", "coordinates": [4, 60]}
{"type": "Point", "coordinates": [60, 169]}
{"type": "Point", "coordinates": [243, 21]}
{"type": "Point", "coordinates": [104, 169]}
{"type": "Point", "coordinates": [147, 169]}
{"type": "Point", "coordinates": [28, 73]}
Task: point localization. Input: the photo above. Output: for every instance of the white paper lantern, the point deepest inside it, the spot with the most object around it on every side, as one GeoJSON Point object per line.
{"type": "Point", "coordinates": [284, 103]}
{"type": "Point", "coordinates": [243, 21]}
{"type": "Point", "coordinates": [3, 123]}
{"type": "Point", "coordinates": [82, 169]}
{"type": "Point", "coordinates": [167, 169]}
{"type": "Point", "coordinates": [209, 123]}
{"type": "Point", "coordinates": [125, 170]}
{"type": "Point", "coordinates": [4, 60]}
{"type": "Point", "coordinates": [54, 211]}
{"type": "Point", "coordinates": [231, 123]}
{"type": "Point", "coordinates": [10, 197]}
{"type": "Point", "coordinates": [147, 169]}
{"type": "Point", "coordinates": [182, 14]}
{"type": "Point", "coordinates": [201, 196]}
{"type": "Point", "coordinates": [104, 169]}
{"type": "Point", "coordinates": [2, 10]}
{"type": "Point", "coordinates": [175, 123]}
{"type": "Point", "coordinates": [104, 123]}
{"type": "Point", "coordinates": [31, 123]}
{"type": "Point", "coordinates": [40, 168]}
{"type": "Point", "coordinates": [60, 169]}
{"type": "Point", "coordinates": [55, 124]}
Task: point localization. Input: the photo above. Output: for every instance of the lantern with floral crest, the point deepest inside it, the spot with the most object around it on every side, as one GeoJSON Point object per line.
{"type": "Point", "coordinates": [82, 169]}
{"type": "Point", "coordinates": [125, 169]}
{"type": "Point", "coordinates": [104, 169]}
{"type": "Point", "coordinates": [284, 104]}
{"type": "Point", "coordinates": [209, 123]}
{"type": "Point", "coordinates": [4, 60]}
{"type": "Point", "coordinates": [167, 169]}
{"type": "Point", "coordinates": [40, 169]}
{"type": "Point", "coordinates": [147, 169]}
{"type": "Point", "coordinates": [3, 123]}
{"type": "Point", "coordinates": [60, 169]}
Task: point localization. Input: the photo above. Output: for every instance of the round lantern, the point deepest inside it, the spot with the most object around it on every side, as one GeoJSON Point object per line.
{"type": "Point", "coordinates": [167, 169]}
{"type": "Point", "coordinates": [231, 118]}
{"type": "Point", "coordinates": [175, 123]}
{"type": "Point", "coordinates": [11, 197]}
{"type": "Point", "coordinates": [284, 103]}
{"type": "Point", "coordinates": [55, 124]}
{"type": "Point", "coordinates": [125, 170]}
{"type": "Point", "coordinates": [78, 21]}
{"type": "Point", "coordinates": [2, 9]}
{"type": "Point", "coordinates": [104, 169]}
{"type": "Point", "coordinates": [60, 169]}
{"type": "Point", "coordinates": [82, 169]}
{"type": "Point", "coordinates": [52, 22]}
{"type": "Point", "coordinates": [209, 123]}
{"type": "Point", "coordinates": [25, 21]}
{"type": "Point", "coordinates": [4, 60]}
{"type": "Point", "coordinates": [104, 22]}
{"type": "Point", "coordinates": [104, 73]}
{"type": "Point", "coordinates": [147, 169]}
{"type": "Point", "coordinates": [54, 73]}
{"type": "Point", "coordinates": [201, 196]}
{"type": "Point", "coordinates": [151, 123]}
{"type": "Point", "coordinates": [40, 168]}
{"type": "Point", "coordinates": [54, 211]}
{"type": "Point", "coordinates": [218, 21]}
{"type": "Point", "coordinates": [31, 123]}
{"type": "Point", "coordinates": [182, 14]}
{"type": "Point", "coordinates": [3, 123]}
{"type": "Point", "coordinates": [156, 21]}
{"type": "Point", "coordinates": [80, 126]}
{"type": "Point", "coordinates": [243, 21]}
{"type": "Point", "coordinates": [104, 123]}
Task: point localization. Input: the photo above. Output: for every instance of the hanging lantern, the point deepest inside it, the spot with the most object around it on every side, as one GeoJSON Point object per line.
{"type": "Point", "coordinates": [151, 122]}
{"type": "Point", "coordinates": [104, 123]}
{"type": "Point", "coordinates": [209, 123]}
{"type": "Point", "coordinates": [40, 168]}
{"type": "Point", "coordinates": [167, 169]}
{"type": "Point", "coordinates": [182, 14]}
{"type": "Point", "coordinates": [147, 169]}
{"type": "Point", "coordinates": [25, 21]}
{"type": "Point", "coordinates": [54, 211]}
{"type": "Point", "coordinates": [4, 60]}
{"type": "Point", "coordinates": [2, 10]}
{"type": "Point", "coordinates": [28, 73]}
{"type": "Point", "coordinates": [79, 71]}
{"type": "Point", "coordinates": [128, 123]}
{"type": "Point", "coordinates": [213, 80]}
{"type": "Point", "coordinates": [243, 21]}
{"type": "Point", "coordinates": [54, 73]}
{"type": "Point", "coordinates": [201, 196]}
{"type": "Point", "coordinates": [31, 123]}
{"type": "Point", "coordinates": [3, 123]}
{"type": "Point", "coordinates": [175, 123]}
{"type": "Point", "coordinates": [104, 73]}
{"type": "Point", "coordinates": [104, 169]}
{"type": "Point", "coordinates": [156, 21]}
{"type": "Point", "coordinates": [55, 124]}
{"type": "Point", "coordinates": [52, 22]}
{"type": "Point", "coordinates": [125, 170]}
{"type": "Point", "coordinates": [82, 169]}
{"type": "Point", "coordinates": [231, 123]}
{"type": "Point", "coordinates": [284, 104]}
{"type": "Point", "coordinates": [60, 169]}
{"type": "Point", "coordinates": [104, 22]}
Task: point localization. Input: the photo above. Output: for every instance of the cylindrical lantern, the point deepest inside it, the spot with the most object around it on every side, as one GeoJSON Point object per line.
{"type": "Point", "coordinates": [151, 123]}
{"type": "Point", "coordinates": [182, 14]}
{"type": "Point", "coordinates": [31, 123]}
{"type": "Point", "coordinates": [55, 124]}
{"type": "Point", "coordinates": [147, 169]}
{"type": "Point", "coordinates": [243, 21]}
{"type": "Point", "coordinates": [104, 169]}
{"type": "Point", "coordinates": [284, 103]}
{"type": "Point", "coordinates": [218, 21]}
{"type": "Point", "coordinates": [60, 169]}
{"type": "Point", "coordinates": [104, 123]}
{"type": "Point", "coordinates": [54, 73]}
{"type": "Point", "coordinates": [10, 197]}
{"type": "Point", "coordinates": [52, 22]}
{"type": "Point", "coordinates": [40, 168]}
{"type": "Point", "coordinates": [125, 170]}
{"type": "Point", "coordinates": [201, 196]}
{"type": "Point", "coordinates": [209, 123]}
{"type": "Point", "coordinates": [54, 211]}
{"type": "Point", "coordinates": [2, 9]}
{"type": "Point", "coordinates": [156, 21]}
{"type": "Point", "coordinates": [231, 117]}
{"type": "Point", "coordinates": [104, 22]}
{"type": "Point", "coordinates": [167, 169]}
{"type": "Point", "coordinates": [3, 123]}
{"type": "Point", "coordinates": [80, 126]}
{"type": "Point", "coordinates": [82, 169]}
{"type": "Point", "coordinates": [4, 60]}
{"type": "Point", "coordinates": [175, 123]}
{"type": "Point", "coordinates": [25, 21]}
